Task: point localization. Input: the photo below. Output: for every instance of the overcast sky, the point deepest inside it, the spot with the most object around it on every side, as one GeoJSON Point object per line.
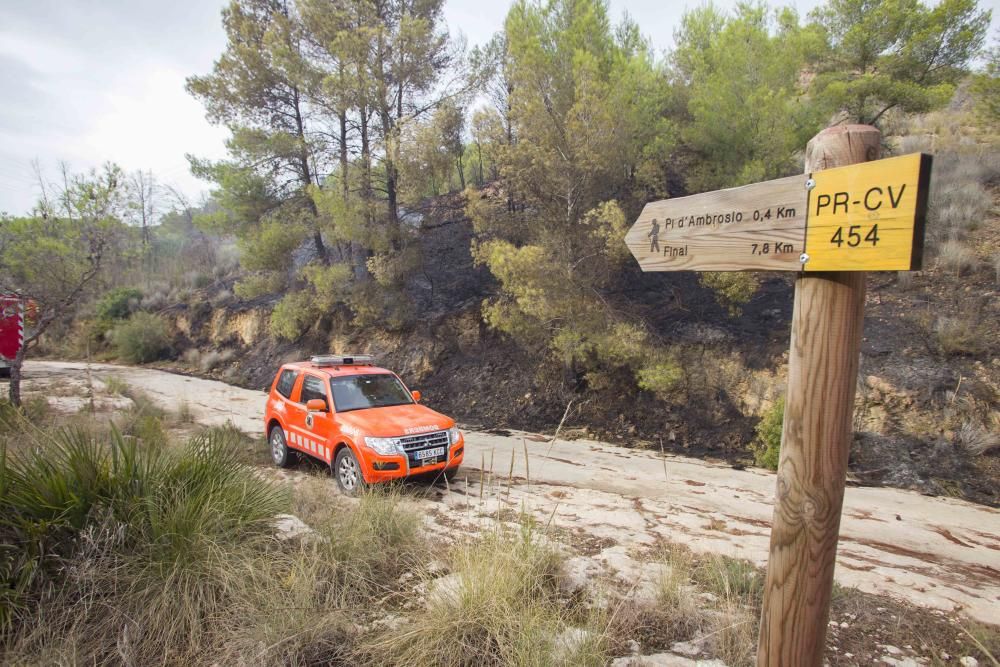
{"type": "Point", "coordinates": [85, 82]}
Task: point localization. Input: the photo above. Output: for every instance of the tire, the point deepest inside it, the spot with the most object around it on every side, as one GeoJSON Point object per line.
{"type": "Point", "coordinates": [280, 453]}
{"type": "Point", "coordinates": [451, 473]}
{"type": "Point", "coordinates": [347, 471]}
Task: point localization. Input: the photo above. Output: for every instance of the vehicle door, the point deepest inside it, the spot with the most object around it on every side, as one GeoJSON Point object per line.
{"type": "Point", "coordinates": [295, 415]}
{"type": "Point", "coordinates": [280, 401]}
{"type": "Point", "coordinates": [318, 428]}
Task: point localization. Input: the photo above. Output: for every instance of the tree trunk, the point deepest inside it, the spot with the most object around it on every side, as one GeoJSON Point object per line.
{"type": "Point", "coordinates": [391, 180]}
{"type": "Point", "coordinates": [366, 156]}
{"type": "Point", "coordinates": [344, 185]}
{"type": "Point", "coordinates": [479, 151]}
{"type": "Point", "coordinates": [508, 121]}
{"type": "Point", "coordinates": [15, 378]}
{"type": "Point", "coordinates": [391, 203]}
{"type": "Point", "coordinates": [361, 253]}
{"type": "Point", "coordinates": [307, 180]}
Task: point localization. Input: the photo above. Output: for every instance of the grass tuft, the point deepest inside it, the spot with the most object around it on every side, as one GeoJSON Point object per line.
{"type": "Point", "coordinates": [499, 606]}
{"type": "Point", "coordinates": [960, 336]}
{"type": "Point", "coordinates": [115, 386]}
{"type": "Point", "coordinates": [955, 256]}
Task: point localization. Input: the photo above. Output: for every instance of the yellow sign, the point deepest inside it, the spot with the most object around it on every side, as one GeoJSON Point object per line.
{"type": "Point", "coordinates": [868, 216]}
{"type": "Point", "coordinates": [864, 217]}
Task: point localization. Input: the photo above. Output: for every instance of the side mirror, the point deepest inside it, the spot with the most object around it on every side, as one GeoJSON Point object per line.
{"type": "Point", "coordinates": [416, 395]}
{"type": "Point", "coordinates": [316, 405]}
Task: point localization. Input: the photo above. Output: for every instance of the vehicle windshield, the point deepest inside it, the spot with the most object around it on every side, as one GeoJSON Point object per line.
{"type": "Point", "coordinates": [357, 392]}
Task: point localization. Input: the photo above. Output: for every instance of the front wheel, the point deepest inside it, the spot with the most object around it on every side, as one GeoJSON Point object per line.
{"type": "Point", "coordinates": [280, 454]}
{"type": "Point", "coordinates": [348, 472]}
{"type": "Point", "coordinates": [450, 474]}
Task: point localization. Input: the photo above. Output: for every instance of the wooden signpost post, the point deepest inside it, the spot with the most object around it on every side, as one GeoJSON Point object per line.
{"type": "Point", "coordinates": [849, 213]}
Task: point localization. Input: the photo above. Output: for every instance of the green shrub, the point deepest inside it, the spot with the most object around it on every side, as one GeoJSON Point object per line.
{"type": "Point", "coordinates": [142, 338]}
{"type": "Point", "coordinates": [260, 283]}
{"type": "Point", "coordinates": [113, 308]}
{"type": "Point", "coordinates": [114, 542]}
{"type": "Point", "coordinates": [767, 445]}
{"type": "Point", "coordinates": [732, 289]}
{"type": "Point", "coordinates": [118, 304]}
{"type": "Point", "coordinates": [293, 315]}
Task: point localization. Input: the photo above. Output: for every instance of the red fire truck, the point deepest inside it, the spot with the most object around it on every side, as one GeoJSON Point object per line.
{"type": "Point", "coordinates": [11, 330]}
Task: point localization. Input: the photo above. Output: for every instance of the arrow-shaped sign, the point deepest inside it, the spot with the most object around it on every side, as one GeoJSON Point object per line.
{"type": "Point", "coordinates": [864, 217]}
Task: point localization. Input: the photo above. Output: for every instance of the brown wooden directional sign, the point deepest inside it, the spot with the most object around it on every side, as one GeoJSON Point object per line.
{"type": "Point", "coordinates": [862, 217]}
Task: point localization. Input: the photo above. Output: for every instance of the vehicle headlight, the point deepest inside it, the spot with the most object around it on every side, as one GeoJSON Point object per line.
{"type": "Point", "coordinates": [384, 446]}
{"type": "Point", "coordinates": [453, 435]}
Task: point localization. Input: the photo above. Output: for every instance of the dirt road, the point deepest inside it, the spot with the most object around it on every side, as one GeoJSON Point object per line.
{"type": "Point", "coordinates": [935, 552]}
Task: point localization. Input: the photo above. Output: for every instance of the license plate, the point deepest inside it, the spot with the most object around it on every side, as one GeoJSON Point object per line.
{"type": "Point", "coordinates": [425, 454]}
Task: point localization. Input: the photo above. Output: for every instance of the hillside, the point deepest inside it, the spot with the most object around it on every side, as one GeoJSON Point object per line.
{"type": "Point", "coordinates": [926, 415]}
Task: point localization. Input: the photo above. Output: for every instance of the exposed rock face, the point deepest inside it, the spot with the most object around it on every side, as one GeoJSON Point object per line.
{"type": "Point", "coordinates": [248, 326]}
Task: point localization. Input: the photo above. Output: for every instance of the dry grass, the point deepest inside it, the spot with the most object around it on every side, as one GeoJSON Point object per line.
{"type": "Point", "coordinates": [960, 335]}
{"type": "Point", "coordinates": [184, 414]}
{"type": "Point", "coordinates": [955, 256]}
{"type": "Point", "coordinates": [499, 606]}
{"type": "Point", "coordinates": [206, 361]}
{"type": "Point", "coordinates": [714, 599]}
{"type": "Point", "coordinates": [115, 386]}
{"type": "Point", "coordinates": [960, 200]}
{"type": "Point", "coordinates": [865, 624]}
{"type": "Point", "coordinates": [977, 438]}
{"type": "Point", "coordinates": [214, 358]}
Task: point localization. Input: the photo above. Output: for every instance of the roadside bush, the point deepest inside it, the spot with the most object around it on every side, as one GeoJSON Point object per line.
{"type": "Point", "coordinates": [118, 304]}
{"type": "Point", "coordinates": [113, 308]}
{"type": "Point", "coordinates": [141, 339]}
{"type": "Point", "coordinates": [767, 445]}
{"type": "Point", "coordinates": [112, 548]}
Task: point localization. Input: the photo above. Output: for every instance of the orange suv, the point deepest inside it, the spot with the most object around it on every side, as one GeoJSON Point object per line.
{"type": "Point", "coordinates": [360, 420]}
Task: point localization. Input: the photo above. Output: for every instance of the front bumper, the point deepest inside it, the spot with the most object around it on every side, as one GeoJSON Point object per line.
{"type": "Point", "coordinates": [378, 468]}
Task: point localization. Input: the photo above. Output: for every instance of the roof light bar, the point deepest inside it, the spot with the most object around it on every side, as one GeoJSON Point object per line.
{"type": "Point", "coordinates": [342, 360]}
